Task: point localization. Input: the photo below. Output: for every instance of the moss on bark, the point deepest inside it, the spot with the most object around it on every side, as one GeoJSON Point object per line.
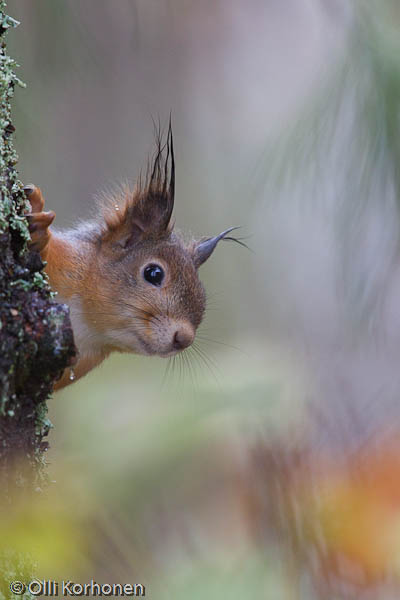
{"type": "Point", "coordinates": [36, 341]}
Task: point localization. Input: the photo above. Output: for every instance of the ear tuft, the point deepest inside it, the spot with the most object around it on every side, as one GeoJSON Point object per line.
{"type": "Point", "coordinates": [156, 196]}
{"type": "Point", "coordinates": [205, 247]}
{"type": "Point", "coordinates": [145, 211]}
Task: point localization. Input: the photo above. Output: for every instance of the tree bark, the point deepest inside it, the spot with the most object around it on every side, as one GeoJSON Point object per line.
{"type": "Point", "coordinates": [36, 340]}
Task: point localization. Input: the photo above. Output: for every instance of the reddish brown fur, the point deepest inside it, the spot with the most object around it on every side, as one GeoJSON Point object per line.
{"type": "Point", "coordinates": [98, 270]}
{"type": "Point", "coordinates": [94, 264]}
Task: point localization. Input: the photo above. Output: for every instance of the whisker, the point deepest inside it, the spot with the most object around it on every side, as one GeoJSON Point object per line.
{"type": "Point", "coordinates": [211, 366]}
{"type": "Point", "coordinates": [179, 357]}
{"type": "Point", "coordinates": [167, 371]}
{"type": "Point", "coordinates": [211, 341]}
{"type": "Point", "coordinates": [186, 358]}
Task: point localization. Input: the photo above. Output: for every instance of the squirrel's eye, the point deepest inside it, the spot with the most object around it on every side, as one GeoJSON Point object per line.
{"type": "Point", "coordinates": [154, 274]}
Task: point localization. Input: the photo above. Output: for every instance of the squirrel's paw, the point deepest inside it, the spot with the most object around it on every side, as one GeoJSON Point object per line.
{"type": "Point", "coordinates": [39, 220]}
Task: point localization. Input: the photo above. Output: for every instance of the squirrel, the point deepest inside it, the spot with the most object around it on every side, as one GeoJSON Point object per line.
{"type": "Point", "coordinates": [130, 280]}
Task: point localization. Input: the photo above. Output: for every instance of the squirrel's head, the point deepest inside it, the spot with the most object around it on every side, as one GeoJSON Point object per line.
{"type": "Point", "coordinates": [149, 289]}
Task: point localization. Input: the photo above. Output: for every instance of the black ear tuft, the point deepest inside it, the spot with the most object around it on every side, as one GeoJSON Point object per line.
{"type": "Point", "coordinates": [156, 198]}
{"type": "Point", "coordinates": [129, 217]}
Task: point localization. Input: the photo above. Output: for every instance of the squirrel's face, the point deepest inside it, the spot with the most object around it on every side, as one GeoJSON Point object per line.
{"type": "Point", "coordinates": [149, 289]}
{"type": "Point", "coordinates": [160, 300]}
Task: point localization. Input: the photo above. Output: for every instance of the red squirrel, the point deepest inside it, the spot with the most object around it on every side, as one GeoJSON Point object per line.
{"type": "Point", "coordinates": [130, 280]}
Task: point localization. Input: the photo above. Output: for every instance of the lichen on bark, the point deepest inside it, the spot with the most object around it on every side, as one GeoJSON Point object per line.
{"type": "Point", "coordinates": [36, 340]}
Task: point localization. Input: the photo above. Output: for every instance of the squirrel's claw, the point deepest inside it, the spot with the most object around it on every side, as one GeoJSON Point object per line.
{"type": "Point", "coordinates": [39, 220]}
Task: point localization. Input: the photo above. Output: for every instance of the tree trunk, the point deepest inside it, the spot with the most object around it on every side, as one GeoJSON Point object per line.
{"type": "Point", "coordinates": [36, 340]}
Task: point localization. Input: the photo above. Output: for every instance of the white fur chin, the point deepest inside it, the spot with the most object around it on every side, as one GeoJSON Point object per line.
{"type": "Point", "coordinates": [88, 342]}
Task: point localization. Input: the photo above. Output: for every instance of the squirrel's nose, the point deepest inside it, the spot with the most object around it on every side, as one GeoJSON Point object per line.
{"type": "Point", "coordinates": [183, 337]}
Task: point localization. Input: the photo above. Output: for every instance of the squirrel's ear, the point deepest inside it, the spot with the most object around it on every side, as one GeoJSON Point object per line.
{"type": "Point", "coordinates": [146, 213]}
{"type": "Point", "coordinates": [153, 209]}
{"type": "Point", "coordinates": [204, 248]}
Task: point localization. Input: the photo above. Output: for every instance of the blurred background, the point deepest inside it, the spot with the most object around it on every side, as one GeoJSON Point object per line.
{"type": "Point", "coordinates": [266, 464]}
